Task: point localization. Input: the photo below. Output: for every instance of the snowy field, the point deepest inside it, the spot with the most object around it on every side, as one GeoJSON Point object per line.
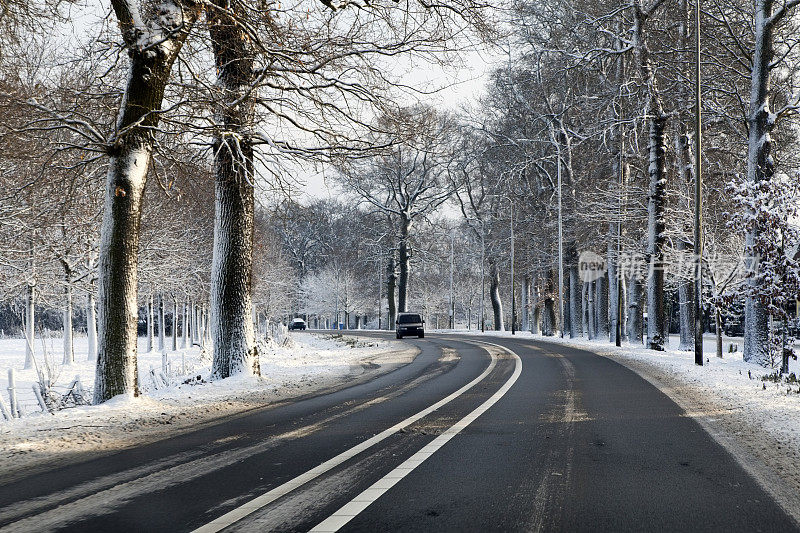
{"type": "Point", "coordinates": [307, 362]}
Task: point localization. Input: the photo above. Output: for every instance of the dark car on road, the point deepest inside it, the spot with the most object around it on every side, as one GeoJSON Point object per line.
{"type": "Point", "coordinates": [297, 323]}
{"type": "Point", "coordinates": [409, 324]}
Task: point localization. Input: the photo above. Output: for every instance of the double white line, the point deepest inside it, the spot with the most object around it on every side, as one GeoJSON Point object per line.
{"type": "Point", "coordinates": [363, 500]}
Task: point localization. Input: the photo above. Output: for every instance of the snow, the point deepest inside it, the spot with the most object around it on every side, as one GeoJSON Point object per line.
{"type": "Point", "coordinates": [305, 363]}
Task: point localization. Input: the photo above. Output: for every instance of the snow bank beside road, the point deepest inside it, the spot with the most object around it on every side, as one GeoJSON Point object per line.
{"type": "Point", "coordinates": [308, 363]}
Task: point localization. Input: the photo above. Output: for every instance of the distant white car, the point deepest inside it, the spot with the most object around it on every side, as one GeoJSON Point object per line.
{"type": "Point", "coordinates": [297, 323]}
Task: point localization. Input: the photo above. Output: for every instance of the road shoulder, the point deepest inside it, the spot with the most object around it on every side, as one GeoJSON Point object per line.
{"type": "Point", "coordinates": [767, 457]}
{"type": "Point", "coordinates": [756, 421]}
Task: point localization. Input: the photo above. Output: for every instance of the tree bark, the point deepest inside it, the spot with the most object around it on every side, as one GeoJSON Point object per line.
{"type": "Point", "coordinates": [202, 315]}
{"type": "Point", "coordinates": [195, 327]}
{"type": "Point", "coordinates": [30, 320]}
{"type": "Point", "coordinates": [91, 327]}
{"type": "Point", "coordinates": [494, 293]}
{"type": "Point", "coordinates": [575, 296]}
{"type": "Point", "coordinates": [405, 265]}
{"type": "Point", "coordinates": [620, 175]}
{"type": "Point", "coordinates": [174, 324]}
{"type": "Point", "coordinates": [685, 310]}
{"type": "Point", "coordinates": [235, 350]}
{"type": "Point", "coordinates": [566, 325]}
{"type": "Point", "coordinates": [151, 327]}
{"type": "Point", "coordinates": [130, 152]}
{"type": "Point", "coordinates": [635, 311]}
{"type": "Point", "coordinates": [601, 306]}
{"type": "Point", "coordinates": [656, 197]}
{"type": "Point", "coordinates": [161, 324]}
{"type": "Point", "coordinates": [185, 325]}
{"type": "Point", "coordinates": [69, 350]}
{"type": "Point", "coordinates": [525, 303]}
{"type": "Point", "coordinates": [686, 177]}
{"type": "Point", "coordinates": [760, 167]}
{"type": "Point", "coordinates": [549, 318]}
{"type": "Point", "coordinates": [589, 298]}
{"type": "Point", "coordinates": [391, 282]}
{"type": "Point", "coordinates": [613, 287]}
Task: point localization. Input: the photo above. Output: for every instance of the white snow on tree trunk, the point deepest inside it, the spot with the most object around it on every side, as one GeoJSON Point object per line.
{"type": "Point", "coordinates": [30, 320]}
{"type": "Point", "coordinates": [117, 270]}
{"type": "Point", "coordinates": [69, 352]}
{"type": "Point", "coordinates": [161, 324]}
{"type": "Point", "coordinates": [91, 327]}
{"type": "Point", "coordinates": [150, 323]}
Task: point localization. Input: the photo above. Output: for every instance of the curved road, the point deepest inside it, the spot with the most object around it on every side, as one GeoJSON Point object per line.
{"type": "Point", "coordinates": [516, 435]}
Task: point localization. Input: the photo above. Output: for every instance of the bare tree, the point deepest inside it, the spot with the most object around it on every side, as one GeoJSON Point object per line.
{"type": "Point", "coordinates": [407, 181]}
{"type": "Point", "coordinates": [153, 36]}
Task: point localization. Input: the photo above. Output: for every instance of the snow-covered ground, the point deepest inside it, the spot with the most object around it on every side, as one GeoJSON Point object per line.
{"type": "Point", "coordinates": [307, 362]}
{"type": "Point", "coordinates": [757, 420]}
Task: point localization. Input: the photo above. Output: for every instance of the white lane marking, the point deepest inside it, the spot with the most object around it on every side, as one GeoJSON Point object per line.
{"type": "Point", "coordinates": [257, 503]}
{"type": "Point", "coordinates": [350, 510]}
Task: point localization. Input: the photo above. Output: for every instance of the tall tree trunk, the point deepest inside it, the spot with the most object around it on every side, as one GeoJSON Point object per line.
{"type": "Point", "coordinates": [760, 166]}
{"type": "Point", "coordinates": [151, 327]}
{"type": "Point", "coordinates": [685, 309]}
{"type": "Point", "coordinates": [185, 325]}
{"type": "Point", "coordinates": [30, 320]}
{"type": "Point", "coordinates": [161, 324]}
{"type": "Point", "coordinates": [620, 175]}
{"type": "Point", "coordinates": [601, 306]}
{"type": "Point", "coordinates": [405, 266]}
{"type": "Point", "coordinates": [589, 299]}
{"type": "Point", "coordinates": [174, 323]}
{"type": "Point", "coordinates": [686, 176]}
{"type": "Point", "coordinates": [91, 326]}
{"type": "Point", "coordinates": [624, 295]}
{"type": "Point", "coordinates": [202, 317]}
{"type": "Point", "coordinates": [391, 285]}
{"type": "Point", "coordinates": [549, 318]}
{"type": "Point", "coordinates": [575, 296]}
{"type": "Point", "coordinates": [656, 197]}
{"type": "Point", "coordinates": [195, 328]}
{"type": "Point", "coordinates": [566, 325]}
{"type": "Point", "coordinates": [635, 310]}
{"type": "Point", "coordinates": [235, 350]}
{"type": "Point", "coordinates": [152, 49]}
{"type": "Point", "coordinates": [613, 287]}
{"type": "Point", "coordinates": [494, 293]}
{"type": "Point", "coordinates": [656, 325]}
{"type": "Point", "coordinates": [69, 350]}
{"type": "Point", "coordinates": [525, 303]}
{"type": "Point", "coordinates": [535, 307]}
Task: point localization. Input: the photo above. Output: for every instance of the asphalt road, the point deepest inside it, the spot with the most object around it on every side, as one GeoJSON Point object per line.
{"type": "Point", "coordinates": [467, 437]}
